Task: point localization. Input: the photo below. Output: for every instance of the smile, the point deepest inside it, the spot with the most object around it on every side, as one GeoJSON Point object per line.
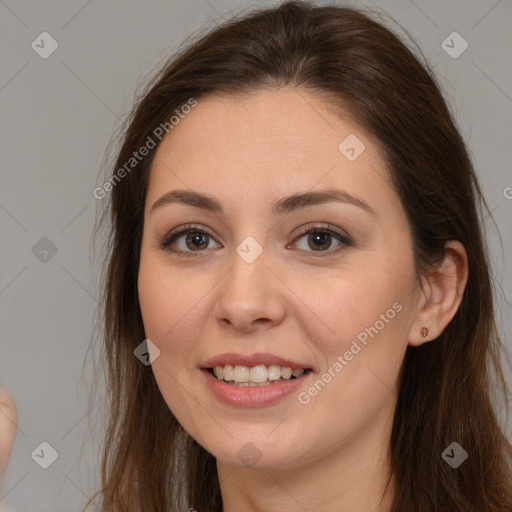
{"type": "Point", "coordinates": [255, 394]}
{"type": "Point", "coordinates": [260, 375]}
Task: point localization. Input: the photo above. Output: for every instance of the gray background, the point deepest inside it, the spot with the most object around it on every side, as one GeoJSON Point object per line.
{"type": "Point", "coordinates": [58, 115]}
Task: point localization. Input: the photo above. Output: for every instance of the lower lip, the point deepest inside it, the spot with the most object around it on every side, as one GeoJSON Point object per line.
{"type": "Point", "coordinates": [255, 396]}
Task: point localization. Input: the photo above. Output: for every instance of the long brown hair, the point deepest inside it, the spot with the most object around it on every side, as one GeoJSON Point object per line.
{"type": "Point", "coordinates": [448, 388]}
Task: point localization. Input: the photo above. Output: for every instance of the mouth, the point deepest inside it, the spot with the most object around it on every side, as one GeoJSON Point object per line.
{"type": "Point", "coordinates": [256, 376]}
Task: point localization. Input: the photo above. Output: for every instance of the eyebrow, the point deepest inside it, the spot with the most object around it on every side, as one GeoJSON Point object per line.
{"type": "Point", "coordinates": [280, 207]}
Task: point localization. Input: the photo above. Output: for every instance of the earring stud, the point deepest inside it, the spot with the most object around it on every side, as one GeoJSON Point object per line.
{"type": "Point", "coordinates": [425, 331]}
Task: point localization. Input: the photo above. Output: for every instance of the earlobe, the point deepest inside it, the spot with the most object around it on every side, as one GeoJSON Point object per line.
{"type": "Point", "coordinates": [443, 293]}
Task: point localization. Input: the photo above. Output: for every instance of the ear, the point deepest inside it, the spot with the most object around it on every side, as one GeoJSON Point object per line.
{"type": "Point", "coordinates": [442, 293]}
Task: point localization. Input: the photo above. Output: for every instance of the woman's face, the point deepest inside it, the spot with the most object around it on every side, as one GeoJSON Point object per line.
{"type": "Point", "coordinates": [248, 279]}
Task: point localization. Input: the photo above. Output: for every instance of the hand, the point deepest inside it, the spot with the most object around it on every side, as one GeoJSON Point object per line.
{"type": "Point", "coordinates": [8, 426]}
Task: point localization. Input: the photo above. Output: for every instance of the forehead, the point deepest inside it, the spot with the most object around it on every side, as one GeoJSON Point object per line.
{"type": "Point", "coordinates": [267, 143]}
{"type": "Point", "coordinates": [267, 121]}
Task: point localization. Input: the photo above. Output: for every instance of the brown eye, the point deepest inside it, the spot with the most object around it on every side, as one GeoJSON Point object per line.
{"type": "Point", "coordinates": [189, 239]}
{"type": "Point", "coordinates": [319, 239]}
{"type": "Point", "coordinates": [196, 240]}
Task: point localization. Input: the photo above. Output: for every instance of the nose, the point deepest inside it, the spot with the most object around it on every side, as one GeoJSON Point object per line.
{"type": "Point", "coordinates": [250, 297]}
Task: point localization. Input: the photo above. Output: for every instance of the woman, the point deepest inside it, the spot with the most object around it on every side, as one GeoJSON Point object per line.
{"type": "Point", "coordinates": [326, 345]}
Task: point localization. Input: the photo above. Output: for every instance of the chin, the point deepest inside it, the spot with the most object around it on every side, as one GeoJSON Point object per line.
{"type": "Point", "coordinates": [258, 452]}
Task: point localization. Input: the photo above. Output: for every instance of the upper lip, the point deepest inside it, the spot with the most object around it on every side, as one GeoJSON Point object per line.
{"type": "Point", "coordinates": [252, 360]}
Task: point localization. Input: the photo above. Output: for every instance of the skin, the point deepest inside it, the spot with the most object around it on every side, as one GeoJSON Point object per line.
{"type": "Point", "coordinates": [294, 300]}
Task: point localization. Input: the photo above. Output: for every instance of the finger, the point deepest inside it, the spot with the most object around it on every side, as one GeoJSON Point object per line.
{"type": "Point", "coordinates": [8, 426]}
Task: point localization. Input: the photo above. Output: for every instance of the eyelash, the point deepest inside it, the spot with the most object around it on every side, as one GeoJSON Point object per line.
{"type": "Point", "coordinates": [169, 238]}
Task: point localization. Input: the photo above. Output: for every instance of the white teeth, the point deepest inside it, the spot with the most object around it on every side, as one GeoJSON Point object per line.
{"type": "Point", "coordinates": [241, 373]}
{"type": "Point", "coordinates": [286, 372]}
{"type": "Point", "coordinates": [256, 375]}
{"type": "Point", "coordinates": [274, 372]}
{"type": "Point", "coordinates": [228, 372]}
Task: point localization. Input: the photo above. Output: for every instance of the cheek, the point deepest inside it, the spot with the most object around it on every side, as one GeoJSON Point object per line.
{"type": "Point", "coordinates": [169, 315]}
{"type": "Point", "coordinates": [167, 300]}
{"type": "Point", "coordinates": [337, 311]}
{"type": "Point", "coordinates": [361, 359]}
{"type": "Point", "coordinates": [154, 300]}
{"type": "Point", "coordinates": [364, 317]}
{"type": "Point", "coordinates": [175, 307]}
{"type": "Point", "coordinates": [161, 311]}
